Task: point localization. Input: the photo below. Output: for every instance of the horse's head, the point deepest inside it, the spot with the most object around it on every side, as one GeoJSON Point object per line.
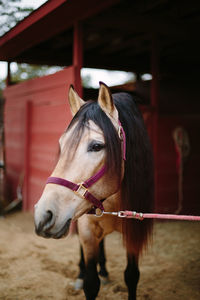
{"type": "Point", "coordinates": [90, 146]}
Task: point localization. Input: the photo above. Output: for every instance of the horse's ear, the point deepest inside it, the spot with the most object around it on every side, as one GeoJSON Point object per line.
{"type": "Point", "coordinates": [74, 100]}
{"type": "Point", "coordinates": [105, 101]}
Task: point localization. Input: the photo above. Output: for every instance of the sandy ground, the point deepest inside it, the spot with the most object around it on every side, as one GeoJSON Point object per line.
{"type": "Point", "coordinates": [34, 268]}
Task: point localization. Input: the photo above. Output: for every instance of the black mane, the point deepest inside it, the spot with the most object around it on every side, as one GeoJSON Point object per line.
{"type": "Point", "coordinates": [138, 182]}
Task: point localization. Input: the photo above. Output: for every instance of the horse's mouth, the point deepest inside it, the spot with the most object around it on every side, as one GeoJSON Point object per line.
{"type": "Point", "coordinates": [64, 230]}
{"type": "Point", "coordinates": [60, 234]}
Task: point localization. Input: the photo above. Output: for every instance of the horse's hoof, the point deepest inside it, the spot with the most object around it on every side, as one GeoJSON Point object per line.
{"type": "Point", "coordinates": [104, 279]}
{"type": "Point", "coordinates": [78, 285]}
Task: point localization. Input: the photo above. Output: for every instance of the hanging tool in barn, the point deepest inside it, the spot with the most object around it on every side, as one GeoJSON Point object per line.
{"type": "Point", "coordinates": [182, 147]}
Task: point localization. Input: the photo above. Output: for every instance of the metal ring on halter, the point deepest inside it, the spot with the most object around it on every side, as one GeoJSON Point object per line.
{"type": "Point", "coordinates": [98, 212]}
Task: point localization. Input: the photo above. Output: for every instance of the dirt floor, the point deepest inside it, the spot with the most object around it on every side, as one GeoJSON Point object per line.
{"type": "Point", "coordinates": [35, 268]}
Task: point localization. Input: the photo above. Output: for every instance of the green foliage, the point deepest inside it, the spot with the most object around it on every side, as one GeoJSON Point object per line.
{"type": "Point", "coordinates": [26, 71]}
{"type": "Point", "coordinates": [86, 81]}
{"type": "Point", "coordinates": [10, 13]}
{"type": "Point", "coordinates": [2, 86]}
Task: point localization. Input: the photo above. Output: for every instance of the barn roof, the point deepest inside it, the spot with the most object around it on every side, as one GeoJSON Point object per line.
{"type": "Point", "coordinates": [116, 34]}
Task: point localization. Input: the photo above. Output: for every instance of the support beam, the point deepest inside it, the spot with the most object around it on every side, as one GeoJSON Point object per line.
{"type": "Point", "coordinates": [78, 56]}
{"type": "Point", "coordinates": [155, 106]}
{"type": "Point", "coordinates": [8, 79]}
{"type": "Point", "coordinates": [27, 126]}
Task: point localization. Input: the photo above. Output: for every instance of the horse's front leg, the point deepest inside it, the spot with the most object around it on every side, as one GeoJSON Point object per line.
{"type": "Point", "coordinates": [78, 285]}
{"type": "Point", "coordinates": [131, 276]}
{"type": "Point", "coordinates": [103, 273]}
{"type": "Point", "coordinates": [90, 244]}
{"type": "Point", "coordinates": [91, 283]}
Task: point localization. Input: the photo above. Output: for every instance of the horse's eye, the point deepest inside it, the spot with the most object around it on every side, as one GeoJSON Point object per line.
{"type": "Point", "coordinates": [95, 147]}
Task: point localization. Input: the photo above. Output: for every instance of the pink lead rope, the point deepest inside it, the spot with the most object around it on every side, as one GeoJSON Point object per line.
{"type": "Point", "coordinates": [142, 216]}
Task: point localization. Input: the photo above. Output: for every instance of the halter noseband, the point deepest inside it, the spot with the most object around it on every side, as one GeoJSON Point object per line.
{"type": "Point", "coordinates": [82, 188]}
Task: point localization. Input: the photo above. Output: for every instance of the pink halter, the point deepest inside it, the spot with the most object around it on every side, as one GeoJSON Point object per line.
{"type": "Point", "coordinates": [82, 189]}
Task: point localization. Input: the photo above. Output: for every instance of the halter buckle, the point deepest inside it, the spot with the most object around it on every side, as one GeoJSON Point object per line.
{"type": "Point", "coordinates": [82, 190]}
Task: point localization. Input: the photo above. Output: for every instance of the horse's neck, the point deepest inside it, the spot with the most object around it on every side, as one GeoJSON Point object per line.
{"type": "Point", "coordinates": [112, 203]}
{"type": "Point", "coordinates": [112, 223]}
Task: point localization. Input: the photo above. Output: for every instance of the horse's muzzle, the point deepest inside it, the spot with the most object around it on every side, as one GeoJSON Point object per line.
{"type": "Point", "coordinates": [45, 226]}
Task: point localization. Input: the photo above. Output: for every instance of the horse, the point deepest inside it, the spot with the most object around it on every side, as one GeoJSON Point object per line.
{"type": "Point", "coordinates": [105, 165]}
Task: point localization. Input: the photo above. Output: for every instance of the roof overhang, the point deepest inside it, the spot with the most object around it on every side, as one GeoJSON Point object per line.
{"type": "Point", "coordinates": [116, 35]}
{"type": "Point", "coordinates": [51, 18]}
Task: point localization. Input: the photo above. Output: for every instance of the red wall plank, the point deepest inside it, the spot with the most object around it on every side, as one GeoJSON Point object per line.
{"type": "Point", "coordinates": [31, 134]}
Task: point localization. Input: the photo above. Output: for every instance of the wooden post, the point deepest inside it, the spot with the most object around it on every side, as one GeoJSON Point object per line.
{"type": "Point", "coordinates": [78, 56]}
{"type": "Point", "coordinates": [28, 111]}
{"type": "Point", "coordinates": [155, 106]}
{"type": "Point", "coordinates": [8, 79]}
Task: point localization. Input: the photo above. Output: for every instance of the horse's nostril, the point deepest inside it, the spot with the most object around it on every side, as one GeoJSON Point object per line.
{"type": "Point", "coordinates": [46, 223]}
{"type": "Point", "coordinates": [49, 220]}
{"type": "Point", "coordinates": [49, 215]}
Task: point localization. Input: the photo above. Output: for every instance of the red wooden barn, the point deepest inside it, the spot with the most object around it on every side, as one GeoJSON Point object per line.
{"type": "Point", "coordinates": [157, 37]}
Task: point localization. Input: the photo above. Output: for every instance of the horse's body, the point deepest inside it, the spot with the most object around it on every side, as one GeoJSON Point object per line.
{"type": "Point", "coordinates": [93, 142]}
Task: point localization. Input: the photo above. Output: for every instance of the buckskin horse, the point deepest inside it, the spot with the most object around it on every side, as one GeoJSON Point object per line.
{"type": "Point", "coordinates": [105, 165]}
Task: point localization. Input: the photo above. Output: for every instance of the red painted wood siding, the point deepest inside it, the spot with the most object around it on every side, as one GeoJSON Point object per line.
{"type": "Point", "coordinates": [36, 113]}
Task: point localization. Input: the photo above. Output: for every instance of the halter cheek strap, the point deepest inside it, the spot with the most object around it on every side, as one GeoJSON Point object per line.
{"type": "Point", "coordinates": [82, 189]}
